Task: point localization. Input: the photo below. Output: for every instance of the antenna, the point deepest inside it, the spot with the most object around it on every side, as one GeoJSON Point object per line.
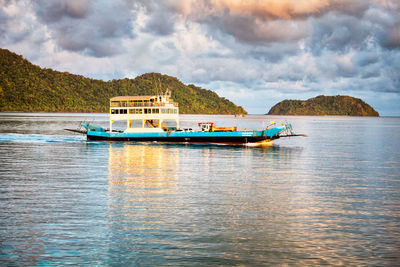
{"type": "Point", "coordinates": [156, 86]}
{"type": "Point", "coordinates": [160, 87]}
{"type": "Point", "coordinates": [168, 92]}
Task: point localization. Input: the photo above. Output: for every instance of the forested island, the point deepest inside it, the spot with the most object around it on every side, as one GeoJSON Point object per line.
{"type": "Point", "coordinates": [324, 105]}
{"type": "Point", "coordinates": [30, 88]}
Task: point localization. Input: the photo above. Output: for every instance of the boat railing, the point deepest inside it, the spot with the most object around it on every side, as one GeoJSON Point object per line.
{"type": "Point", "coordinates": [142, 104]}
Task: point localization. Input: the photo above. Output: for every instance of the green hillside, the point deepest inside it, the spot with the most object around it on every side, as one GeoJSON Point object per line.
{"type": "Point", "coordinates": [324, 105]}
{"type": "Point", "coordinates": [27, 87]}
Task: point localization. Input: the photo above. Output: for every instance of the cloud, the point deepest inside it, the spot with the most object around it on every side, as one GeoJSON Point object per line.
{"type": "Point", "coordinates": [276, 48]}
{"type": "Point", "coordinates": [267, 9]}
{"type": "Point", "coordinates": [52, 11]}
{"type": "Point", "coordinates": [254, 31]}
{"type": "Point", "coordinates": [274, 52]}
{"type": "Point", "coordinates": [365, 58]}
{"type": "Point", "coordinates": [392, 38]}
{"type": "Point", "coordinates": [338, 32]}
{"type": "Point", "coordinates": [161, 21]}
{"type": "Point", "coordinates": [336, 24]}
{"type": "Point", "coordinates": [12, 28]}
{"type": "Point", "coordinates": [91, 27]}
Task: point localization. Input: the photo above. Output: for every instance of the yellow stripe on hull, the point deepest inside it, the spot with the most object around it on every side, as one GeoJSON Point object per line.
{"type": "Point", "coordinates": [267, 142]}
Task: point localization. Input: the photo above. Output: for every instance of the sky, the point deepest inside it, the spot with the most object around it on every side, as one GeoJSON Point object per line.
{"type": "Point", "coordinates": [255, 53]}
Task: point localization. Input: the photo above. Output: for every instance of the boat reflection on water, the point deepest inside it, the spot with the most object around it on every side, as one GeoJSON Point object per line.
{"type": "Point", "coordinates": [155, 177]}
{"type": "Point", "coordinates": [161, 172]}
{"type": "Point", "coordinates": [156, 168]}
{"type": "Point", "coordinates": [197, 202]}
{"type": "Point", "coordinates": [149, 167]}
{"type": "Point", "coordinates": [227, 205]}
{"type": "Point", "coordinates": [140, 179]}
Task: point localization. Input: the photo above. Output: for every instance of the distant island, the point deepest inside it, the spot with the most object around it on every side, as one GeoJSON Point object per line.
{"type": "Point", "coordinates": [324, 105]}
{"type": "Point", "coordinates": [30, 88]}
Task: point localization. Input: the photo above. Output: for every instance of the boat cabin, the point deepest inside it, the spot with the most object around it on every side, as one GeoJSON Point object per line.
{"type": "Point", "coordinates": [144, 113]}
{"type": "Point", "coordinates": [206, 126]}
{"type": "Point", "coordinates": [210, 127]}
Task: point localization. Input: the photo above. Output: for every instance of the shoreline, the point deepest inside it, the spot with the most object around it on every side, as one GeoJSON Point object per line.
{"type": "Point", "coordinates": [320, 115]}
{"type": "Point", "coordinates": [77, 112]}
{"type": "Point", "coordinates": [215, 114]}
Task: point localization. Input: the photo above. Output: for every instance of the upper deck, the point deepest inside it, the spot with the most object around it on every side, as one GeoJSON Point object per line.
{"type": "Point", "coordinates": [142, 101]}
{"type": "Point", "coordinates": [152, 111]}
{"type": "Point", "coordinates": [157, 104]}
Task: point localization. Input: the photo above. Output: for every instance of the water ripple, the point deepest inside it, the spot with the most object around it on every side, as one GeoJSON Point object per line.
{"type": "Point", "coordinates": [330, 199]}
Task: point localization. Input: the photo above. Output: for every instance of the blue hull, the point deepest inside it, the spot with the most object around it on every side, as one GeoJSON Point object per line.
{"type": "Point", "coordinates": [238, 137]}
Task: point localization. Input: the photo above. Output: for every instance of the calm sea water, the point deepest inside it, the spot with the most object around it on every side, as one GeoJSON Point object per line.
{"type": "Point", "coordinates": [331, 198]}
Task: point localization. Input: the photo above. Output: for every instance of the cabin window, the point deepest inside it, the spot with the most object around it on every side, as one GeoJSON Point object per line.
{"type": "Point", "coordinates": [156, 111]}
{"type": "Point", "coordinates": [136, 123]}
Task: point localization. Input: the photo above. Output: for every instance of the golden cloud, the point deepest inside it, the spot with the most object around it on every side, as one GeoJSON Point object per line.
{"type": "Point", "coordinates": [271, 9]}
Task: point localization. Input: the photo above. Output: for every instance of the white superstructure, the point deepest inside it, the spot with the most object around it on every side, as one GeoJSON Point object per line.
{"type": "Point", "coordinates": [144, 113]}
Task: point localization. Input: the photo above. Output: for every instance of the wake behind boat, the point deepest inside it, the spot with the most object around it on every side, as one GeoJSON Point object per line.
{"type": "Point", "coordinates": [149, 119]}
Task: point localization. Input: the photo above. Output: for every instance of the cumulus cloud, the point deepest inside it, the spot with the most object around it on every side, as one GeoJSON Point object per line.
{"type": "Point", "coordinates": [52, 11]}
{"type": "Point", "coordinates": [12, 28]}
{"type": "Point", "coordinates": [266, 9]}
{"type": "Point", "coordinates": [280, 47]}
{"type": "Point", "coordinates": [90, 27]}
{"type": "Point", "coordinates": [161, 21]}
{"type": "Point", "coordinates": [255, 31]}
{"type": "Point", "coordinates": [338, 32]}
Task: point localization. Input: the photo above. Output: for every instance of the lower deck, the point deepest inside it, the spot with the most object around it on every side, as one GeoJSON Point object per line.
{"type": "Point", "coordinates": [239, 137]}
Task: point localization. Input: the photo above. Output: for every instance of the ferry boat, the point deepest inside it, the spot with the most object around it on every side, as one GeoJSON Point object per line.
{"type": "Point", "coordinates": [156, 119]}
